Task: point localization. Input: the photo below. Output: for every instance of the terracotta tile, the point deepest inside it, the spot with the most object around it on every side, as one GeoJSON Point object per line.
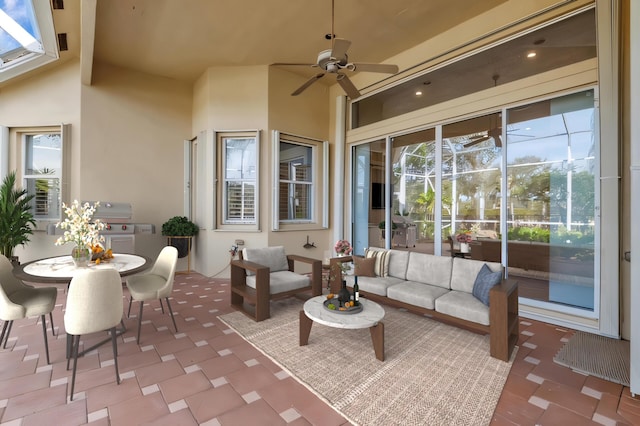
{"type": "Point", "coordinates": [183, 386]}
{"type": "Point", "coordinates": [156, 373]}
{"type": "Point", "coordinates": [74, 413]}
{"type": "Point", "coordinates": [111, 393]}
{"type": "Point", "coordinates": [172, 346]}
{"type": "Point", "coordinates": [603, 386]}
{"type": "Point", "coordinates": [607, 411]}
{"type": "Point", "coordinates": [24, 384]}
{"type": "Point", "coordinates": [559, 374]}
{"type": "Point", "coordinates": [629, 407]}
{"type": "Point", "coordinates": [214, 402]}
{"type": "Point", "coordinates": [221, 366]}
{"type": "Point", "coordinates": [517, 410]}
{"type": "Point", "coordinates": [248, 414]}
{"type": "Point", "coordinates": [556, 415]}
{"type": "Point", "coordinates": [34, 402]}
{"type": "Point", "coordinates": [567, 397]}
{"type": "Point", "coordinates": [181, 417]}
{"type": "Point", "coordinates": [138, 410]}
{"type": "Point", "coordinates": [195, 355]}
{"type": "Point", "coordinates": [520, 386]}
{"type": "Point", "coordinates": [137, 360]}
{"type": "Point", "coordinates": [252, 378]}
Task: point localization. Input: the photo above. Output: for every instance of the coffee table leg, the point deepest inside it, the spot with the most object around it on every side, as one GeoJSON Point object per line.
{"type": "Point", "coordinates": [377, 337]}
{"type": "Point", "coordinates": [305, 328]}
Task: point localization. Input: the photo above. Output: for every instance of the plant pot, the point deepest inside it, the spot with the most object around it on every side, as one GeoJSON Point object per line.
{"type": "Point", "coordinates": [182, 244]}
{"type": "Point", "coordinates": [464, 248]}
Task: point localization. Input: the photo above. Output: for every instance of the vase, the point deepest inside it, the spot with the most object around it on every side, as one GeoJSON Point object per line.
{"type": "Point", "coordinates": [464, 248]}
{"type": "Point", "coordinates": [81, 256]}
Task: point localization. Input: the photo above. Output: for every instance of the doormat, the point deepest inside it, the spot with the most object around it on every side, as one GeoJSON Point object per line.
{"type": "Point", "coordinates": [598, 356]}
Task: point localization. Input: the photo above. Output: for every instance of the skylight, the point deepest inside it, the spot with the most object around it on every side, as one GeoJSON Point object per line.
{"type": "Point", "coordinates": [27, 36]}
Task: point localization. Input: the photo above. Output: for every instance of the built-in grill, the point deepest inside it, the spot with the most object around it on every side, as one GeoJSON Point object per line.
{"type": "Point", "coordinates": [119, 232]}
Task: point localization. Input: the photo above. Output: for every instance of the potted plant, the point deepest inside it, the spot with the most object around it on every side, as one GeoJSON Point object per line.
{"type": "Point", "coordinates": [381, 226]}
{"type": "Point", "coordinates": [180, 226]}
{"type": "Point", "coordinates": [16, 218]}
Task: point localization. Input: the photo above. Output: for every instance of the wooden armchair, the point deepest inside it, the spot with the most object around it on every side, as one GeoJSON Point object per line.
{"type": "Point", "coordinates": [262, 275]}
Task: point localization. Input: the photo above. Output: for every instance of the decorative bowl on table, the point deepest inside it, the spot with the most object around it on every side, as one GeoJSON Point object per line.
{"type": "Point", "coordinates": [332, 304]}
{"type": "Point", "coordinates": [100, 255]}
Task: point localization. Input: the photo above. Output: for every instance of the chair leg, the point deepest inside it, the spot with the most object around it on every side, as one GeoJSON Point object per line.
{"type": "Point", "coordinates": [161, 306]}
{"type": "Point", "coordinates": [6, 336]}
{"type": "Point", "coordinates": [129, 311]}
{"type": "Point", "coordinates": [140, 320]}
{"type": "Point", "coordinates": [4, 330]}
{"type": "Point", "coordinates": [171, 312]}
{"type": "Point", "coordinates": [44, 332]}
{"type": "Point", "coordinates": [53, 332]}
{"type": "Point", "coordinates": [75, 362]}
{"type": "Point", "coordinates": [115, 353]}
{"type": "Point", "coordinates": [69, 349]}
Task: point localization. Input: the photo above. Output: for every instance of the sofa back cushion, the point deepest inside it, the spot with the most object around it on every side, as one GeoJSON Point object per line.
{"type": "Point", "coordinates": [398, 261]}
{"type": "Point", "coordinates": [465, 272]}
{"type": "Point", "coordinates": [272, 257]}
{"type": "Point", "coordinates": [429, 269]}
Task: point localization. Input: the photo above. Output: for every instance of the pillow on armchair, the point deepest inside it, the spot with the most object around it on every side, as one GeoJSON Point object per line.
{"type": "Point", "coordinates": [272, 257]}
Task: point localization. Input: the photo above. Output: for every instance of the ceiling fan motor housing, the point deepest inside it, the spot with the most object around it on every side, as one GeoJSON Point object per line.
{"type": "Point", "coordinates": [330, 64]}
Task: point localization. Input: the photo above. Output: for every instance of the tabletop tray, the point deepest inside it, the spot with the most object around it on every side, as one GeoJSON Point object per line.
{"type": "Point", "coordinates": [349, 311]}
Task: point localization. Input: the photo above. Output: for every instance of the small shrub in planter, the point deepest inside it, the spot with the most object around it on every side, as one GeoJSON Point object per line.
{"type": "Point", "coordinates": [180, 226]}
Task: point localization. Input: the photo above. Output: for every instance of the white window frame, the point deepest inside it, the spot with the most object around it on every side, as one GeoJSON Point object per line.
{"type": "Point", "coordinates": [220, 197]}
{"type": "Point", "coordinates": [319, 183]}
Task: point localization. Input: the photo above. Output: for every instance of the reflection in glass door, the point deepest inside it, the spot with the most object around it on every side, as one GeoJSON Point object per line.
{"type": "Point", "coordinates": [551, 175]}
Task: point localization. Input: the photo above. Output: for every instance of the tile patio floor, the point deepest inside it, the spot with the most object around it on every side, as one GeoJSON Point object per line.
{"type": "Point", "coordinates": [206, 374]}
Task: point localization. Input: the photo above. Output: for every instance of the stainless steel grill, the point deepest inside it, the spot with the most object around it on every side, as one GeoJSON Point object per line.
{"type": "Point", "coordinates": [119, 232]}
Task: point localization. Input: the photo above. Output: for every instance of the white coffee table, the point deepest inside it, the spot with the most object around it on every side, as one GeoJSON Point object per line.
{"type": "Point", "coordinates": [370, 318]}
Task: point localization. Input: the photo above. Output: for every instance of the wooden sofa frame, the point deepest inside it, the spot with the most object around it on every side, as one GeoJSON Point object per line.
{"type": "Point", "coordinates": [260, 297]}
{"type": "Point", "coordinates": [503, 328]}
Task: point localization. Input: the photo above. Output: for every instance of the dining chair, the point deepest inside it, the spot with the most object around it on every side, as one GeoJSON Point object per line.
{"type": "Point", "coordinates": [154, 284]}
{"type": "Point", "coordinates": [18, 301]}
{"type": "Point", "coordinates": [94, 304]}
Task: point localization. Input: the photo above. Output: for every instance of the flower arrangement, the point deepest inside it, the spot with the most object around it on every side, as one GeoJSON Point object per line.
{"type": "Point", "coordinates": [464, 237]}
{"type": "Point", "coordinates": [343, 247]}
{"type": "Point", "coordinates": [79, 228]}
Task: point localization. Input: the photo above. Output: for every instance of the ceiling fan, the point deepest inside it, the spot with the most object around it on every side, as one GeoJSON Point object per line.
{"type": "Point", "coordinates": [335, 61]}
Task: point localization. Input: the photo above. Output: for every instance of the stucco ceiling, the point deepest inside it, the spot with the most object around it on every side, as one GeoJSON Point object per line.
{"type": "Point", "coordinates": [180, 39]}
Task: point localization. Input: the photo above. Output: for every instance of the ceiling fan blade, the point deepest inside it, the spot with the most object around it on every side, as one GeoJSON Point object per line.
{"type": "Point", "coordinates": [294, 64]}
{"type": "Point", "coordinates": [307, 84]}
{"type": "Point", "coordinates": [385, 68]}
{"type": "Point", "coordinates": [348, 86]}
{"type": "Point", "coordinates": [340, 47]}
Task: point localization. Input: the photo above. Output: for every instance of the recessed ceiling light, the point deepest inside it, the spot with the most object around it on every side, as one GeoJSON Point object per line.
{"type": "Point", "coordinates": [531, 54]}
{"type": "Point", "coordinates": [418, 93]}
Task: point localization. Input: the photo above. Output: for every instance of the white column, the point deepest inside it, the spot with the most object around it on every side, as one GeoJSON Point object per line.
{"type": "Point", "coordinates": [338, 170]}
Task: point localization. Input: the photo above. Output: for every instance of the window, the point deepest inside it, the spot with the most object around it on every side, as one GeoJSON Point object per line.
{"type": "Point", "coordinates": [43, 172]}
{"type": "Point", "coordinates": [239, 153]}
{"type": "Point", "coordinates": [299, 180]}
{"type": "Point", "coordinates": [27, 37]}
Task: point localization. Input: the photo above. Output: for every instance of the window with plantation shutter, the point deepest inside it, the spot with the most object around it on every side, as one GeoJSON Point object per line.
{"type": "Point", "coordinates": [239, 167]}
{"type": "Point", "coordinates": [300, 182]}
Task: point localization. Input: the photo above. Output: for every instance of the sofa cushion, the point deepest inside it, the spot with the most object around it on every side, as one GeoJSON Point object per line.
{"type": "Point", "coordinates": [382, 261]}
{"type": "Point", "coordinates": [463, 305]}
{"type": "Point", "coordinates": [417, 294]}
{"type": "Point", "coordinates": [429, 269]}
{"type": "Point", "coordinates": [281, 281]}
{"type": "Point", "coordinates": [465, 271]}
{"type": "Point", "coordinates": [272, 257]}
{"type": "Point", "coordinates": [364, 266]}
{"type": "Point", "coordinates": [485, 280]}
{"type": "Point", "coordinates": [398, 261]}
{"type": "Point", "coordinates": [375, 285]}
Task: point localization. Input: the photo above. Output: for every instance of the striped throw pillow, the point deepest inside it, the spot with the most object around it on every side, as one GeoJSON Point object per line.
{"type": "Point", "coordinates": [382, 261]}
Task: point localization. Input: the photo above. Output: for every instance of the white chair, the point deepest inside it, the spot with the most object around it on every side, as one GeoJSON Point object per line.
{"type": "Point", "coordinates": [18, 301]}
{"type": "Point", "coordinates": [94, 304]}
{"type": "Point", "coordinates": [155, 284]}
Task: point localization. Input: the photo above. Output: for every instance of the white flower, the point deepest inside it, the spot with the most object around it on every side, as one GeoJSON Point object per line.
{"type": "Point", "coordinates": [79, 229]}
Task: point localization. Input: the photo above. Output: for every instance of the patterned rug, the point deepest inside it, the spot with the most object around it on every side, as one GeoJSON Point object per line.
{"type": "Point", "coordinates": [598, 356]}
{"type": "Point", "coordinates": [433, 374]}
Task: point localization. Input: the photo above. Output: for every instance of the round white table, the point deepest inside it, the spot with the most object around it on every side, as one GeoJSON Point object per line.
{"type": "Point", "coordinates": [370, 317]}
{"type": "Point", "coordinates": [61, 269]}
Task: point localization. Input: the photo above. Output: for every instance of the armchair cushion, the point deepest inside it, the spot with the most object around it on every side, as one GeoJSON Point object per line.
{"type": "Point", "coordinates": [282, 281]}
{"type": "Point", "coordinates": [272, 257]}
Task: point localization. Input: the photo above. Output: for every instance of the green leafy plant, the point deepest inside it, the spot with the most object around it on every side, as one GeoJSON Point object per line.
{"type": "Point", "coordinates": [16, 218]}
{"type": "Point", "coordinates": [179, 226]}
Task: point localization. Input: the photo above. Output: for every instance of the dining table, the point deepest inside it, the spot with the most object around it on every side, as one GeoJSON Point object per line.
{"type": "Point", "coordinates": [62, 269]}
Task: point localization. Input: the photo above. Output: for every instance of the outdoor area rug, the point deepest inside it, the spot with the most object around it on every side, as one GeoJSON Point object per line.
{"type": "Point", "coordinates": [433, 373]}
{"type": "Point", "coordinates": [597, 356]}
